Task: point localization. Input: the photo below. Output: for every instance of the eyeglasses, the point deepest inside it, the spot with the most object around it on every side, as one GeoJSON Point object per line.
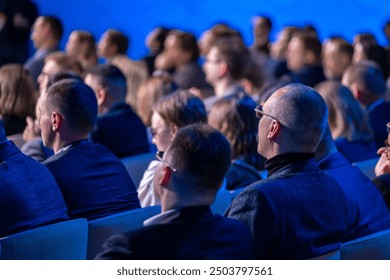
{"type": "Point", "coordinates": [159, 156]}
{"type": "Point", "coordinates": [260, 113]}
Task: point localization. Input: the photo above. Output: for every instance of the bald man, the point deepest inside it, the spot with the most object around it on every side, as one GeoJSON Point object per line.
{"type": "Point", "coordinates": [298, 212]}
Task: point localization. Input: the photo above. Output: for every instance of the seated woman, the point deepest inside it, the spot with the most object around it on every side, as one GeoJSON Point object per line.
{"type": "Point", "coordinates": [348, 122]}
{"type": "Point", "coordinates": [236, 119]}
{"type": "Point", "coordinates": [172, 112]}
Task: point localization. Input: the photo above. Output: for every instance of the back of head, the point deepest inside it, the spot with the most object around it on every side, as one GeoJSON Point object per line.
{"type": "Point", "coordinates": [235, 54]}
{"type": "Point", "coordinates": [181, 108]}
{"type": "Point", "coordinates": [236, 120]}
{"type": "Point", "coordinates": [56, 27]}
{"type": "Point", "coordinates": [367, 76]}
{"type": "Point", "coordinates": [76, 102]}
{"type": "Point", "coordinates": [346, 118]}
{"type": "Point", "coordinates": [303, 115]}
{"type": "Point", "coordinates": [187, 43]}
{"type": "Point", "coordinates": [62, 76]}
{"type": "Point", "coordinates": [110, 78]}
{"type": "Point", "coordinates": [201, 156]}
{"type": "Point", "coordinates": [17, 93]}
{"type": "Point", "coordinates": [120, 40]}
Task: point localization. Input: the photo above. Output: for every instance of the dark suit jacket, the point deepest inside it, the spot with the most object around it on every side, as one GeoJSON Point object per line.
{"type": "Point", "coordinates": [357, 150]}
{"type": "Point", "coordinates": [94, 181]}
{"type": "Point", "coordinates": [367, 212]}
{"type": "Point", "coordinates": [121, 131]}
{"type": "Point", "coordinates": [298, 212]}
{"type": "Point", "coordinates": [379, 117]}
{"type": "Point", "coordinates": [309, 75]}
{"type": "Point", "coordinates": [29, 195]}
{"type": "Point", "coordinates": [195, 234]}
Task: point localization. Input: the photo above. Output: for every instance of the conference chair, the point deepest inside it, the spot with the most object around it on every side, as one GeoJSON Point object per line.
{"type": "Point", "coordinates": [60, 241]}
{"type": "Point", "coordinates": [223, 199]}
{"type": "Point", "coordinates": [100, 230]}
{"type": "Point", "coordinates": [367, 167]}
{"type": "Point", "coordinates": [334, 255]}
{"type": "Point", "coordinates": [375, 246]}
{"type": "Point", "coordinates": [136, 166]}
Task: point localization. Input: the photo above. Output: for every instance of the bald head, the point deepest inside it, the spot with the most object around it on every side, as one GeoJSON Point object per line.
{"type": "Point", "coordinates": [303, 115]}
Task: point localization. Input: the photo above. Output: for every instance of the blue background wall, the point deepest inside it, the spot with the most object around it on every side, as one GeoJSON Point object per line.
{"type": "Point", "coordinates": [137, 18]}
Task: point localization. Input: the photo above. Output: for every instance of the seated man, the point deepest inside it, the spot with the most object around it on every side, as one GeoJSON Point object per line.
{"type": "Point", "coordinates": [94, 181]}
{"type": "Point", "coordinates": [117, 128]}
{"type": "Point", "coordinates": [30, 197]}
{"type": "Point", "coordinates": [298, 212]}
{"type": "Point", "coordinates": [367, 212]}
{"type": "Point", "coordinates": [187, 179]}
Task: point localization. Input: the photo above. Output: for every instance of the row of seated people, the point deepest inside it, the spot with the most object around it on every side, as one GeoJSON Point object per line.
{"type": "Point", "coordinates": [317, 212]}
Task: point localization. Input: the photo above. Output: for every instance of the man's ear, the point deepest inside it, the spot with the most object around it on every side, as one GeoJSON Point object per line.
{"type": "Point", "coordinates": [357, 93]}
{"type": "Point", "coordinates": [165, 176]}
{"type": "Point", "coordinates": [274, 129]}
{"type": "Point", "coordinates": [101, 95]}
{"type": "Point", "coordinates": [57, 121]}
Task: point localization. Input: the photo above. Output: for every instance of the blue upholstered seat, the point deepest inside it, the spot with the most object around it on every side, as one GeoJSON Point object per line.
{"type": "Point", "coordinates": [136, 166]}
{"type": "Point", "coordinates": [60, 241]}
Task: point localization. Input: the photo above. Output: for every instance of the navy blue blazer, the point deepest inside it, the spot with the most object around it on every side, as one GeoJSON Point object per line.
{"type": "Point", "coordinates": [93, 180]}
{"type": "Point", "coordinates": [121, 131]}
{"type": "Point", "coordinates": [29, 195]}
{"type": "Point", "coordinates": [195, 234]}
{"type": "Point", "coordinates": [298, 212]}
{"type": "Point", "coordinates": [379, 117]}
{"type": "Point", "coordinates": [367, 211]}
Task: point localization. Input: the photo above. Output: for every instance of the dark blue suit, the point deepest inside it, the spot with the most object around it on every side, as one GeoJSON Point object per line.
{"type": "Point", "coordinates": [94, 181]}
{"type": "Point", "coordinates": [195, 234]}
{"type": "Point", "coordinates": [121, 131]}
{"type": "Point", "coordinates": [367, 211]}
{"type": "Point", "coordinates": [357, 150]}
{"type": "Point", "coordinates": [379, 114]}
{"type": "Point", "coordinates": [298, 212]}
{"type": "Point", "coordinates": [29, 195]}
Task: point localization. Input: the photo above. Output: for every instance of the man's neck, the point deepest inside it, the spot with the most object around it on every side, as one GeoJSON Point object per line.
{"type": "Point", "coordinates": [223, 85]}
{"type": "Point", "coordinates": [64, 143]}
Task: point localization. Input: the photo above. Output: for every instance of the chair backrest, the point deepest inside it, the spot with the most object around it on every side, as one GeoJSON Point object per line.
{"type": "Point", "coordinates": [334, 255]}
{"type": "Point", "coordinates": [223, 199]}
{"type": "Point", "coordinates": [100, 230]}
{"type": "Point", "coordinates": [136, 166]}
{"type": "Point", "coordinates": [367, 167]}
{"type": "Point", "coordinates": [375, 246]}
{"type": "Point", "coordinates": [60, 241]}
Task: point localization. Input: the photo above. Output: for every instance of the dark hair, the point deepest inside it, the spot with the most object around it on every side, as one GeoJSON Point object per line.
{"type": "Point", "coordinates": [181, 108]}
{"type": "Point", "coordinates": [55, 26]}
{"type": "Point", "coordinates": [118, 39]}
{"type": "Point", "coordinates": [235, 54]}
{"type": "Point", "coordinates": [108, 75]}
{"type": "Point", "coordinates": [310, 43]}
{"type": "Point", "coordinates": [62, 76]}
{"type": "Point", "coordinates": [76, 101]}
{"type": "Point", "coordinates": [203, 154]}
{"type": "Point", "coordinates": [65, 62]}
{"type": "Point", "coordinates": [187, 42]}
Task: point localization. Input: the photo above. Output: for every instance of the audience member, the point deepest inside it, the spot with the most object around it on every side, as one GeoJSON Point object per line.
{"type": "Point", "coordinates": [169, 114]}
{"type": "Point", "coordinates": [348, 122]}
{"type": "Point", "coordinates": [186, 228]}
{"type": "Point", "coordinates": [235, 119]}
{"type": "Point", "coordinates": [367, 212]}
{"type": "Point", "coordinates": [81, 45]}
{"type": "Point", "coordinates": [46, 35]}
{"type": "Point", "coordinates": [30, 196]}
{"type": "Point", "coordinates": [117, 128]}
{"type": "Point", "coordinates": [298, 212]}
{"type": "Point", "coordinates": [16, 20]}
{"type": "Point", "coordinates": [17, 99]}
{"type": "Point", "coordinates": [93, 181]}
{"type": "Point", "coordinates": [262, 26]}
{"type": "Point", "coordinates": [225, 65]}
{"type": "Point", "coordinates": [304, 59]}
{"type": "Point", "coordinates": [366, 82]}
{"type": "Point", "coordinates": [113, 46]}
{"type": "Point", "coordinates": [336, 57]}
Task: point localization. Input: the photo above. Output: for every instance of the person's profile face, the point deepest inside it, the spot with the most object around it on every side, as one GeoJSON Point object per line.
{"type": "Point", "coordinates": [162, 136]}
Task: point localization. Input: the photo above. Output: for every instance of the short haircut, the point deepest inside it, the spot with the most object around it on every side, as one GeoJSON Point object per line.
{"type": "Point", "coordinates": [235, 54]}
{"type": "Point", "coordinates": [181, 108]}
{"type": "Point", "coordinates": [76, 101]}
{"type": "Point", "coordinates": [55, 26]}
{"type": "Point", "coordinates": [109, 76]}
{"type": "Point", "coordinates": [62, 76]}
{"type": "Point", "coordinates": [187, 43]}
{"type": "Point", "coordinates": [310, 43]}
{"type": "Point", "coordinates": [347, 119]}
{"type": "Point", "coordinates": [343, 46]}
{"type": "Point", "coordinates": [65, 62]}
{"type": "Point", "coordinates": [368, 75]}
{"type": "Point", "coordinates": [17, 93]}
{"type": "Point", "coordinates": [118, 39]}
{"type": "Point", "coordinates": [303, 114]}
{"type": "Point", "coordinates": [202, 154]}
{"type": "Point", "coordinates": [89, 39]}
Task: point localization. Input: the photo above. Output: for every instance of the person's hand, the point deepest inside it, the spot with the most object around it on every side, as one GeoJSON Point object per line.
{"type": "Point", "coordinates": [383, 165]}
{"type": "Point", "coordinates": [32, 130]}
